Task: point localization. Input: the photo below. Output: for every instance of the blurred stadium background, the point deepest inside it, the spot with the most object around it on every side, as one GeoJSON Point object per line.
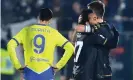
{"type": "Point", "coordinates": [16, 14]}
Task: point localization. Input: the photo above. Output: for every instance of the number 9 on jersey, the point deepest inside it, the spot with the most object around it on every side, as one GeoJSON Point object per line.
{"type": "Point", "coordinates": [39, 48]}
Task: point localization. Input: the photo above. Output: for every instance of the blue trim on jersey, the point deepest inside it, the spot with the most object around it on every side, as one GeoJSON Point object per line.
{"type": "Point", "coordinates": [16, 41]}
{"type": "Point", "coordinates": [64, 44]}
{"type": "Point", "coordinates": [31, 75]}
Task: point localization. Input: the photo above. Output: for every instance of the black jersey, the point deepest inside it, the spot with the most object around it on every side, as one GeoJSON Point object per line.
{"type": "Point", "coordinates": [83, 52]}
{"type": "Point", "coordinates": [91, 52]}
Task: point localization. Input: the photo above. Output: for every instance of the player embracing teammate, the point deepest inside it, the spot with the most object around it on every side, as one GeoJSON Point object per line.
{"type": "Point", "coordinates": [94, 40]}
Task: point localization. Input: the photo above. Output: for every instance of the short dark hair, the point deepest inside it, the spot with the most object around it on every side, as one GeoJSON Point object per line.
{"type": "Point", "coordinates": [45, 14]}
{"type": "Point", "coordinates": [84, 15]}
{"type": "Point", "coordinates": [98, 7]}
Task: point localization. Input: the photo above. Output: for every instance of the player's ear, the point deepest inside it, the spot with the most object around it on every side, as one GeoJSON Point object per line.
{"type": "Point", "coordinates": [95, 18]}
{"type": "Point", "coordinates": [48, 22]}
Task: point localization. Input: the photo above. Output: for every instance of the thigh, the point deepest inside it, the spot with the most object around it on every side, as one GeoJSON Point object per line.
{"type": "Point", "coordinates": [103, 69]}
{"type": "Point", "coordinates": [87, 73]}
{"type": "Point", "coordinates": [90, 67]}
{"type": "Point", "coordinates": [78, 77]}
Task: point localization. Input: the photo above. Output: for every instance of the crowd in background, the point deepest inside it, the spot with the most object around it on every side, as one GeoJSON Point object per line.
{"type": "Point", "coordinates": [21, 10]}
{"type": "Point", "coordinates": [66, 12]}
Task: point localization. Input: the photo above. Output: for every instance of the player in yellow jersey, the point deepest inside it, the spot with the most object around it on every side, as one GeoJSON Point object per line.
{"type": "Point", "coordinates": [39, 42]}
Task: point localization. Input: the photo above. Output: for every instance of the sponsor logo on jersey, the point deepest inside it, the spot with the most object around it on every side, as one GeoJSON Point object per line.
{"type": "Point", "coordinates": [38, 59]}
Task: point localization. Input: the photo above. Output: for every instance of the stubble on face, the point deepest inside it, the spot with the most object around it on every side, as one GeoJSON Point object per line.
{"type": "Point", "coordinates": [92, 19]}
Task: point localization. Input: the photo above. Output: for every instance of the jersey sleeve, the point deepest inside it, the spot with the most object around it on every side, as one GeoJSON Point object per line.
{"type": "Point", "coordinates": [105, 32]}
{"type": "Point", "coordinates": [97, 39]}
{"type": "Point", "coordinates": [112, 43]}
{"type": "Point", "coordinates": [88, 28]}
{"type": "Point", "coordinates": [12, 44]}
{"type": "Point", "coordinates": [101, 35]}
{"type": "Point", "coordinates": [60, 40]}
{"type": "Point", "coordinates": [69, 50]}
{"type": "Point", "coordinates": [19, 36]}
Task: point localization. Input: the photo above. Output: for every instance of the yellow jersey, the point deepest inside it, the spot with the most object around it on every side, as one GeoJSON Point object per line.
{"type": "Point", "coordinates": [39, 42]}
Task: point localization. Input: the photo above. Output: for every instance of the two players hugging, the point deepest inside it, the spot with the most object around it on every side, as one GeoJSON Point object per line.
{"type": "Point", "coordinates": [98, 38]}
{"type": "Point", "coordinates": [85, 27]}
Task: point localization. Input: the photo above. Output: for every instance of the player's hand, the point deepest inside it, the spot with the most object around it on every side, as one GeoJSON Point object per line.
{"type": "Point", "coordinates": [84, 28]}
{"type": "Point", "coordinates": [21, 70]}
{"type": "Point", "coordinates": [80, 28]}
{"type": "Point", "coordinates": [97, 27]}
{"type": "Point", "coordinates": [55, 69]}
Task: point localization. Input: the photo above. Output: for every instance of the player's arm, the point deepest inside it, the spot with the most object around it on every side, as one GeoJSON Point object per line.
{"type": "Point", "coordinates": [12, 44]}
{"type": "Point", "coordinates": [67, 46]}
{"type": "Point", "coordinates": [82, 27]}
{"type": "Point", "coordinates": [112, 43]}
{"type": "Point", "coordinates": [77, 29]}
{"type": "Point", "coordinates": [101, 36]}
{"type": "Point", "coordinates": [94, 38]}
{"type": "Point", "coordinates": [97, 39]}
{"type": "Point", "coordinates": [73, 38]}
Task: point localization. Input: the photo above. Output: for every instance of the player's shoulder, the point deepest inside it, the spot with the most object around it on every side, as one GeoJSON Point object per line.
{"type": "Point", "coordinates": [44, 26]}
{"type": "Point", "coordinates": [104, 25]}
{"type": "Point", "coordinates": [24, 29]}
{"type": "Point", "coordinates": [52, 29]}
{"type": "Point", "coordinates": [27, 27]}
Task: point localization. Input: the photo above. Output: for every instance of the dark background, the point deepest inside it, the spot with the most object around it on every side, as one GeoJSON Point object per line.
{"type": "Point", "coordinates": [20, 13]}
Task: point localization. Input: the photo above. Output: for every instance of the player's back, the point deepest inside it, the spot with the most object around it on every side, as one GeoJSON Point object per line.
{"type": "Point", "coordinates": [84, 56]}
{"type": "Point", "coordinates": [39, 44]}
